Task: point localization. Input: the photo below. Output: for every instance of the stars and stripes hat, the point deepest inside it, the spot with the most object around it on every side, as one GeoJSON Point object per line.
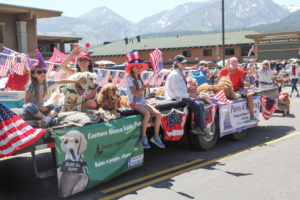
{"type": "Point", "coordinates": [133, 58]}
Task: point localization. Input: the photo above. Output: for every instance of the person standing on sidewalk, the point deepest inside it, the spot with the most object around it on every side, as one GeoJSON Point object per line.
{"type": "Point", "coordinates": [294, 75]}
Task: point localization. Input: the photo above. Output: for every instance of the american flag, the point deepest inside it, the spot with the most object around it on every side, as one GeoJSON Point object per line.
{"type": "Point", "coordinates": [156, 58]}
{"type": "Point", "coordinates": [268, 106]}
{"type": "Point", "coordinates": [173, 124]}
{"type": "Point", "coordinates": [19, 65]}
{"type": "Point", "coordinates": [220, 98]}
{"type": "Point", "coordinates": [15, 133]}
{"type": "Point", "coordinates": [5, 63]}
{"type": "Point", "coordinates": [58, 74]}
{"type": "Point", "coordinates": [8, 51]}
{"type": "Point", "coordinates": [49, 70]}
{"type": "Point", "coordinates": [123, 78]}
{"type": "Point", "coordinates": [209, 114]}
{"type": "Point", "coordinates": [281, 96]}
{"type": "Point", "coordinates": [251, 50]}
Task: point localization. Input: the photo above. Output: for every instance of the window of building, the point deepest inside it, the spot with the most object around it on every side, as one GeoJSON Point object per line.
{"type": "Point", "coordinates": [229, 52]}
{"type": "Point", "coordinates": [187, 53]}
{"type": "Point", "coordinates": [207, 52]}
{"type": "Point", "coordinates": [1, 33]}
{"type": "Point", "coordinates": [245, 50]}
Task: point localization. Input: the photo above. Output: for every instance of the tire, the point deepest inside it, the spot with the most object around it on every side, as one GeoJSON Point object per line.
{"type": "Point", "coordinates": [204, 142]}
{"type": "Point", "coordinates": [184, 141]}
{"type": "Point", "coordinates": [53, 153]}
{"type": "Point", "coordinates": [238, 135]}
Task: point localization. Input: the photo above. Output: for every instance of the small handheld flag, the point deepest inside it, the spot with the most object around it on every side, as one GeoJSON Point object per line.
{"type": "Point", "coordinates": [156, 58]}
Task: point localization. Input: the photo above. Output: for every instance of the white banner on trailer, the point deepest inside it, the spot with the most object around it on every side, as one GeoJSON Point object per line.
{"type": "Point", "coordinates": [235, 117]}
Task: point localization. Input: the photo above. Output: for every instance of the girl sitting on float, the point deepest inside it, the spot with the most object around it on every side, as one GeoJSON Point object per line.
{"type": "Point", "coordinates": [37, 90]}
{"type": "Point", "coordinates": [135, 91]}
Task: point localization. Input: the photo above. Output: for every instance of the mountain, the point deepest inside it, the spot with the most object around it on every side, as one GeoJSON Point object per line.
{"type": "Point", "coordinates": [165, 19]}
{"type": "Point", "coordinates": [238, 13]}
{"type": "Point", "coordinates": [291, 8]}
{"type": "Point", "coordinates": [98, 25]}
{"type": "Point", "coordinates": [102, 24]}
{"type": "Point", "coordinates": [289, 23]}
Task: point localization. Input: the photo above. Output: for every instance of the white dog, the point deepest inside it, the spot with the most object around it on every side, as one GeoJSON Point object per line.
{"type": "Point", "coordinates": [74, 94]}
{"type": "Point", "coordinates": [73, 174]}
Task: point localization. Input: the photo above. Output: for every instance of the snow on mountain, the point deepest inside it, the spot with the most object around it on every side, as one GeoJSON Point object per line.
{"type": "Point", "coordinates": [291, 8]}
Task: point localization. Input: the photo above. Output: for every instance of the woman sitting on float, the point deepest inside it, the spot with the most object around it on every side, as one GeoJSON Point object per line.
{"type": "Point", "coordinates": [176, 89]}
{"type": "Point", "coordinates": [236, 76]}
{"type": "Point", "coordinates": [84, 64]}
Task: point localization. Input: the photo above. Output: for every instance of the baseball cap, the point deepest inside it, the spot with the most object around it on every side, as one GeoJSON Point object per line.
{"type": "Point", "coordinates": [180, 59]}
{"type": "Point", "coordinates": [84, 54]}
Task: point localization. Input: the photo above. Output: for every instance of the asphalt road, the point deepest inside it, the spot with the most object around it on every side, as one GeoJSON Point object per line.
{"type": "Point", "coordinates": [263, 166]}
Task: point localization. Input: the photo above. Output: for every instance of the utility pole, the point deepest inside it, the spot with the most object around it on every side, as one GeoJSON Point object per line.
{"type": "Point", "coordinates": [223, 34]}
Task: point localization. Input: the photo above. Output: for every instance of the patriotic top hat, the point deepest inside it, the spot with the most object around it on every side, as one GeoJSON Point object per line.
{"type": "Point", "coordinates": [133, 58]}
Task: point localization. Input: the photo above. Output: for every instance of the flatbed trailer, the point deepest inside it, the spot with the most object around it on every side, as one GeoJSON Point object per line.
{"type": "Point", "coordinates": [200, 141]}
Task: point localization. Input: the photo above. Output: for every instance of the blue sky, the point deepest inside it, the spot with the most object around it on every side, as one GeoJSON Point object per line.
{"type": "Point", "coordinates": [134, 10]}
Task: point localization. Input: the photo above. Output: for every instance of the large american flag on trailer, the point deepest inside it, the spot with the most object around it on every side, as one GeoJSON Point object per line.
{"type": "Point", "coordinates": [220, 98]}
{"type": "Point", "coordinates": [156, 58]}
{"type": "Point", "coordinates": [15, 133]}
{"type": "Point", "coordinates": [173, 124]}
{"type": "Point", "coordinates": [268, 106]}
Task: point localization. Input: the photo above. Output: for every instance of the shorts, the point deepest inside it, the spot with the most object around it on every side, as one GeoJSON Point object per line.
{"type": "Point", "coordinates": [242, 92]}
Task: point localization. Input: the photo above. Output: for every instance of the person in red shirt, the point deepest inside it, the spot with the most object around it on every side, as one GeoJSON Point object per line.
{"type": "Point", "coordinates": [236, 76]}
{"type": "Point", "coordinates": [18, 82]}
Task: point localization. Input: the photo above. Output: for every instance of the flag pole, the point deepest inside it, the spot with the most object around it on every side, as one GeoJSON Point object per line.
{"type": "Point", "coordinates": [223, 34]}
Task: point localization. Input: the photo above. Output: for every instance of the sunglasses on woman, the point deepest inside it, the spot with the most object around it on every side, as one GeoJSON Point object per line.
{"type": "Point", "coordinates": [83, 60]}
{"type": "Point", "coordinates": [41, 71]}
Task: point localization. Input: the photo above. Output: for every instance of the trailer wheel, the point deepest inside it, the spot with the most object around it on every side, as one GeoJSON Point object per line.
{"type": "Point", "coordinates": [238, 135]}
{"type": "Point", "coordinates": [184, 141]}
{"type": "Point", "coordinates": [204, 142]}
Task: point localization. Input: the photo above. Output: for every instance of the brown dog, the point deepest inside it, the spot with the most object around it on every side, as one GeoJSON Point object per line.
{"type": "Point", "coordinates": [224, 83]}
{"type": "Point", "coordinates": [192, 85]}
{"type": "Point", "coordinates": [286, 99]}
{"type": "Point", "coordinates": [109, 99]}
{"type": "Point", "coordinates": [160, 92]}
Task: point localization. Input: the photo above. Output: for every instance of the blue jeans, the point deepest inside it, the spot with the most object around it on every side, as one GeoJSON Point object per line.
{"type": "Point", "coordinates": [294, 85]}
{"type": "Point", "coordinates": [197, 107]}
{"type": "Point", "coordinates": [33, 109]}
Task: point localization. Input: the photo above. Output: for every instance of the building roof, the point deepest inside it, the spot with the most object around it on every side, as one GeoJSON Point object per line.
{"type": "Point", "coordinates": [120, 48]}
{"type": "Point", "coordinates": [59, 38]}
{"type": "Point", "coordinates": [22, 10]}
{"type": "Point", "coordinates": [281, 35]}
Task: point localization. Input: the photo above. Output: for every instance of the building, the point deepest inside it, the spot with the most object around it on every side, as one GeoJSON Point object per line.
{"type": "Point", "coordinates": [18, 30]}
{"type": "Point", "coordinates": [274, 46]}
{"type": "Point", "coordinates": [194, 47]}
{"type": "Point", "coordinates": [47, 43]}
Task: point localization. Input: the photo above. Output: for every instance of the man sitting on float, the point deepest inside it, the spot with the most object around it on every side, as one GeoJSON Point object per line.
{"type": "Point", "coordinates": [236, 76]}
{"type": "Point", "coordinates": [176, 90]}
